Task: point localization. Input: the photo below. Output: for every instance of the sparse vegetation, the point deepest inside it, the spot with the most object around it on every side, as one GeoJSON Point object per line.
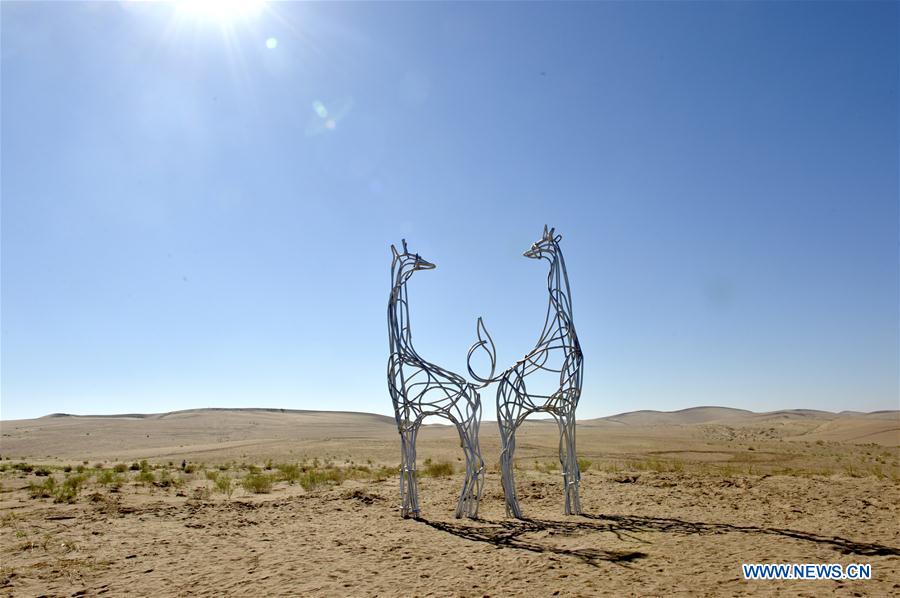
{"type": "Point", "coordinates": [548, 467]}
{"type": "Point", "coordinates": [852, 471]}
{"type": "Point", "coordinates": [612, 467]}
{"type": "Point", "coordinates": [289, 472]}
{"type": "Point", "coordinates": [663, 466]}
{"type": "Point", "coordinates": [313, 478]}
{"type": "Point", "coordinates": [69, 489]}
{"type": "Point", "coordinates": [258, 483]}
{"type": "Point", "coordinates": [224, 485]}
{"type": "Point", "coordinates": [436, 469]}
{"type": "Point", "coordinates": [43, 490]}
{"type": "Point", "coordinates": [109, 477]}
{"type": "Point", "coordinates": [146, 477]}
{"type": "Point", "coordinates": [167, 480]}
{"type": "Point", "coordinates": [382, 473]}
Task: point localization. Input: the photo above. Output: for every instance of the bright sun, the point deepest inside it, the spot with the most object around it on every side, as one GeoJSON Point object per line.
{"type": "Point", "coordinates": [225, 12]}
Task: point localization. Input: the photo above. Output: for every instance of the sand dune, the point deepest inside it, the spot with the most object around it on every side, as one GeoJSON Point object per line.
{"type": "Point", "coordinates": [857, 430]}
{"type": "Point", "coordinates": [245, 434]}
{"type": "Point", "coordinates": [693, 415]}
{"type": "Point", "coordinates": [330, 416]}
{"type": "Point", "coordinates": [672, 501]}
{"type": "Point", "coordinates": [699, 415]}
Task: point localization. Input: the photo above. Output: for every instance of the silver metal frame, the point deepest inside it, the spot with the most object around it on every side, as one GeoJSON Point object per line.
{"type": "Point", "coordinates": [419, 389]}
{"type": "Point", "coordinates": [557, 352]}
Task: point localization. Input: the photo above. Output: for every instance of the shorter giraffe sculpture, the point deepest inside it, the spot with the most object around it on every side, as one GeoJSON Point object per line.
{"type": "Point", "coordinates": [419, 389]}
{"type": "Point", "coordinates": [554, 365]}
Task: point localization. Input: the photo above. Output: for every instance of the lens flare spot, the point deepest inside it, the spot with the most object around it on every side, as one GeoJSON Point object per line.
{"type": "Point", "coordinates": [272, 43]}
{"type": "Point", "coordinates": [330, 123]}
{"type": "Point", "coordinates": [319, 107]}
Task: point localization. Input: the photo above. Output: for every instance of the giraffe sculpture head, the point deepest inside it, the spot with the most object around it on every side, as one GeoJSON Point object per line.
{"type": "Point", "coordinates": [406, 263]}
{"type": "Point", "coordinates": [546, 247]}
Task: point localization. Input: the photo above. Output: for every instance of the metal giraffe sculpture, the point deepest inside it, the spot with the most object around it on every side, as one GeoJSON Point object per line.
{"type": "Point", "coordinates": [556, 362]}
{"type": "Point", "coordinates": [419, 389]}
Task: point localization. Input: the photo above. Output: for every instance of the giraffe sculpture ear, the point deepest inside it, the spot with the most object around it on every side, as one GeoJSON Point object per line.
{"type": "Point", "coordinates": [557, 238]}
{"type": "Point", "coordinates": [394, 251]}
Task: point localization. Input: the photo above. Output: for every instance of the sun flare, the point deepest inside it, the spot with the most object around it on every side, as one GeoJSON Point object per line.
{"type": "Point", "coordinates": [224, 12]}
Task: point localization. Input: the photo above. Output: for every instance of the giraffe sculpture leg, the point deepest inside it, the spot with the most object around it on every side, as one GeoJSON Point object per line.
{"type": "Point", "coordinates": [409, 488]}
{"type": "Point", "coordinates": [508, 409]}
{"type": "Point", "coordinates": [477, 477]}
{"type": "Point", "coordinates": [568, 459]}
{"type": "Point", "coordinates": [474, 482]}
{"type": "Point", "coordinates": [507, 455]}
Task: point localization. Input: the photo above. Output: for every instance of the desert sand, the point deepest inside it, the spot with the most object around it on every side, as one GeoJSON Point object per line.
{"type": "Point", "coordinates": [674, 503]}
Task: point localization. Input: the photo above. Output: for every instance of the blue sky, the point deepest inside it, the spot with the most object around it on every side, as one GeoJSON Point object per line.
{"type": "Point", "coordinates": [193, 218]}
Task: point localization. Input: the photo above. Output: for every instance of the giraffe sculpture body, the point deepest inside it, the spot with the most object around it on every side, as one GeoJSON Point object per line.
{"type": "Point", "coordinates": [419, 389]}
{"type": "Point", "coordinates": [553, 371]}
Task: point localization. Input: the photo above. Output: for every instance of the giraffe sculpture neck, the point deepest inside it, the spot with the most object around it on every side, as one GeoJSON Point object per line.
{"type": "Point", "coordinates": [398, 313]}
{"type": "Point", "coordinates": [559, 306]}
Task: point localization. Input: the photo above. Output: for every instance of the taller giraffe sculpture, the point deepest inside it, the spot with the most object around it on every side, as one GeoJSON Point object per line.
{"type": "Point", "coordinates": [419, 389]}
{"type": "Point", "coordinates": [554, 365]}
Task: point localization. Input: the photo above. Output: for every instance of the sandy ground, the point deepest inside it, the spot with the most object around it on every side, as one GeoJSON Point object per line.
{"type": "Point", "coordinates": [673, 505]}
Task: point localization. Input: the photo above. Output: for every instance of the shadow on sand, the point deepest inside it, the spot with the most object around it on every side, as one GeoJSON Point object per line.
{"type": "Point", "coordinates": [507, 533]}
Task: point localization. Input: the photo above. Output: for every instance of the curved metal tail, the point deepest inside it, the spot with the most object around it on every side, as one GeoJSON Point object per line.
{"type": "Point", "coordinates": [486, 344]}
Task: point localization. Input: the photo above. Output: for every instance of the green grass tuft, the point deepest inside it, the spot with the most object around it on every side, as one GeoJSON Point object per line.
{"type": "Point", "coordinates": [258, 483]}
{"type": "Point", "coordinates": [69, 489]}
{"type": "Point", "coordinates": [47, 489]}
{"type": "Point", "coordinates": [224, 485]}
{"type": "Point", "coordinates": [146, 477]}
{"type": "Point", "coordinates": [434, 469]}
{"type": "Point", "coordinates": [109, 477]}
{"type": "Point", "coordinates": [289, 472]}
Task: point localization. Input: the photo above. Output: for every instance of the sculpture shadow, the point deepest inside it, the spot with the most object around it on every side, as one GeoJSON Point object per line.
{"type": "Point", "coordinates": [635, 524]}
{"type": "Point", "coordinates": [508, 533]}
